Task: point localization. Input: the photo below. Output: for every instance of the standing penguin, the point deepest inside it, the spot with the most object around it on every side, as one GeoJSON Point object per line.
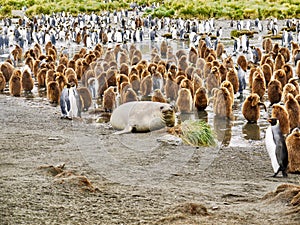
{"type": "Point", "coordinates": [276, 147]}
{"type": "Point", "coordinates": [70, 103]}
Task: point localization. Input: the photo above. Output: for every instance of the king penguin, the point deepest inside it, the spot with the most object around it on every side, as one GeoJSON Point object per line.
{"type": "Point", "coordinates": [276, 147]}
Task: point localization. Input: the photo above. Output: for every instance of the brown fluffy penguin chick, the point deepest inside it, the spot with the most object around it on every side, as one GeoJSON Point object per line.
{"type": "Point", "coordinates": [274, 91]}
{"type": "Point", "coordinates": [288, 71]}
{"type": "Point", "coordinates": [297, 71]}
{"type": "Point", "coordinates": [109, 99]}
{"type": "Point", "coordinates": [279, 62]}
{"type": "Point", "coordinates": [72, 78]}
{"type": "Point", "coordinates": [242, 62]}
{"type": "Point", "coordinates": [111, 77]}
{"type": "Point", "coordinates": [251, 108]}
{"type": "Point", "coordinates": [184, 101]}
{"type": "Point", "coordinates": [227, 84]}
{"type": "Point", "coordinates": [292, 144]}
{"type": "Point", "coordinates": [293, 109]}
{"type": "Point", "coordinates": [295, 82]}
{"type": "Point", "coordinates": [223, 72]}
{"type": "Point", "coordinates": [50, 76]}
{"type": "Point", "coordinates": [157, 96]}
{"type": "Point", "coordinates": [200, 99]}
{"type": "Point", "coordinates": [267, 71]}
{"type": "Point", "coordinates": [288, 89]}
{"type": "Point", "coordinates": [79, 68]}
{"type": "Point", "coordinates": [157, 81]}
{"type": "Point", "coordinates": [53, 92]}
{"type": "Point", "coordinates": [15, 85]}
{"type": "Point", "coordinates": [86, 97]}
{"type": "Point", "coordinates": [275, 50]}
{"type": "Point", "coordinates": [279, 112]}
{"type": "Point", "coordinates": [146, 85]}
{"type": "Point", "coordinates": [7, 69]}
{"type": "Point", "coordinates": [267, 45]}
{"type": "Point", "coordinates": [135, 82]}
{"type": "Point", "coordinates": [286, 53]}
{"type": "Point", "coordinates": [27, 81]}
{"type": "Point", "coordinates": [251, 75]}
{"type": "Point", "coordinates": [61, 80]}
{"type": "Point", "coordinates": [163, 49]}
{"type": "Point", "coordinates": [2, 82]}
{"type": "Point", "coordinates": [232, 77]}
{"type": "Point", "coordinates": [162, 70]}
{"type": "Point", "coordinates": [86, 76]}
{"type": "Point", "coordinates": [200, 63]}
{"type": "Point", "coordinates": [41, 77]}
{"type": "Point", "coordinates": [220, 50]}
{"type": "Point", "coordinates": [120, 79]}
{"type": "Point", "coordinates": [222, 103]}
{"type": "Point", "coordinates": [193, 55]}
{"type": "Point", "coordinates": [124, 58]}
{"type": "Point", "coordinates": [197, 82]}
{"type": "Point", "coordinates": [171, 88]}
{"type": "Point", "coordinates": [213, 80]}
{"type": "Point", "coordinates": [183, 63]}
{"type": "Point", "coordinates": [280, 76]}
{"type": "Point", "coordinates": [259, 84]}
{"type": "Point", "coordinates": [124, 69]}
{"type": "Point", "coordinates": [17, 54]}
{"type": "Point", "coordinates": [173, 70]}
{"type": "Point", "coordinates": [228, 62]}
{"type": "Point", "coordinates": [297, 97]}
{"type": "Point", "coordinates": [189, 71]}
{"type": "Point", "coordinates": [61, 68]}
{"type": "Point", "coordinates": [102, 85]}
{"type": "Point", "coordinates": [129, 96]}
{"type": "Point", "coordinates": [186, 83]}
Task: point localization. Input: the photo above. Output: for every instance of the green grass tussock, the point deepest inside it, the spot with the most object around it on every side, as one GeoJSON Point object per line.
{"type": "Point", "coordinates": [197, 133]}
{"type": "Point", "coordinates": [225, 9]}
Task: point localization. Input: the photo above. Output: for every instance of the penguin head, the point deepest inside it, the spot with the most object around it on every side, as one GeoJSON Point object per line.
{"type": "Point", "coordinates": [273, 121]}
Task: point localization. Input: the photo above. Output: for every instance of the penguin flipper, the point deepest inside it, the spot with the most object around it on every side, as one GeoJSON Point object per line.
{"type": "Point", "coordinates": [126, 130]}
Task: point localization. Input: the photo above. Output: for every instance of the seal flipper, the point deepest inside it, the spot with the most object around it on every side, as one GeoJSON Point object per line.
{"type": "Point", "coordinates": [126, 130]}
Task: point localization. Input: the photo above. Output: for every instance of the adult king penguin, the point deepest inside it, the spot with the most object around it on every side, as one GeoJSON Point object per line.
{"type": "Point", "coordinates": [276, 147]}
{"type": "Point", "coordinates": [70, 103]}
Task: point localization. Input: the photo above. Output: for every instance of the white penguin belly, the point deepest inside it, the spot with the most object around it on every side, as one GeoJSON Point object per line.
{"type": "Point", "coordinates": [271, 148]}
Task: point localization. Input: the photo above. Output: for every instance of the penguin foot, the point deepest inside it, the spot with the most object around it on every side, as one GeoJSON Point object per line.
{"type": "Point", "coordinates": [284, 174]}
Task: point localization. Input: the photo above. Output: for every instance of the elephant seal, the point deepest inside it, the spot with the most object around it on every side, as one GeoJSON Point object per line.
{"type": "Point", "coordinates": [142, 116]}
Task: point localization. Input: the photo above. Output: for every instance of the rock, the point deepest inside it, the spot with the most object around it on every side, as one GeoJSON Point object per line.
{"type": "Point", "coordinates": [170, 139]}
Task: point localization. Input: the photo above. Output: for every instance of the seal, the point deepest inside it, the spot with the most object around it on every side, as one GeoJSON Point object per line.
{"type": "Point", "coordinates": [142, 116]}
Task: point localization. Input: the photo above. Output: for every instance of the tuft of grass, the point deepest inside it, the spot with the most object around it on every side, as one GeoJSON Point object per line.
{"type": "Point", "coordinates": [197, 133]}
{"type": "Point", "coordinates": [238, 33]}
{"type": "Point", "coordinates": [227, 9]}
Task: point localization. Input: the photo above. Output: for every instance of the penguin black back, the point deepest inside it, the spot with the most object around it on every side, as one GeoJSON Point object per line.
{"type": "Point", "coordinates": [281, 152]}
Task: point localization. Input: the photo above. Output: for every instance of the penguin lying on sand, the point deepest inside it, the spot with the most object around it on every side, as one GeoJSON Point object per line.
{"type": "Point", "coordinates": [276, 147]}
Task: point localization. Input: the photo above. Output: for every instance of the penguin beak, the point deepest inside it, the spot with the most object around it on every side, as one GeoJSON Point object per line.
{"type": "Point", "coordinates": [263, 104]}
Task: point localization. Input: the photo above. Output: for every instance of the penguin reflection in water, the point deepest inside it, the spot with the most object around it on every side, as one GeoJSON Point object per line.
{"type": "Point", "coordinates": [70, 102]}
{"type": "Point", "coordinates": [276, 147]}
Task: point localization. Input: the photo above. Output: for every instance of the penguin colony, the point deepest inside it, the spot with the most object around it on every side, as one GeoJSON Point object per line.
{"type": "Point", "coordinates": [109, 67]}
